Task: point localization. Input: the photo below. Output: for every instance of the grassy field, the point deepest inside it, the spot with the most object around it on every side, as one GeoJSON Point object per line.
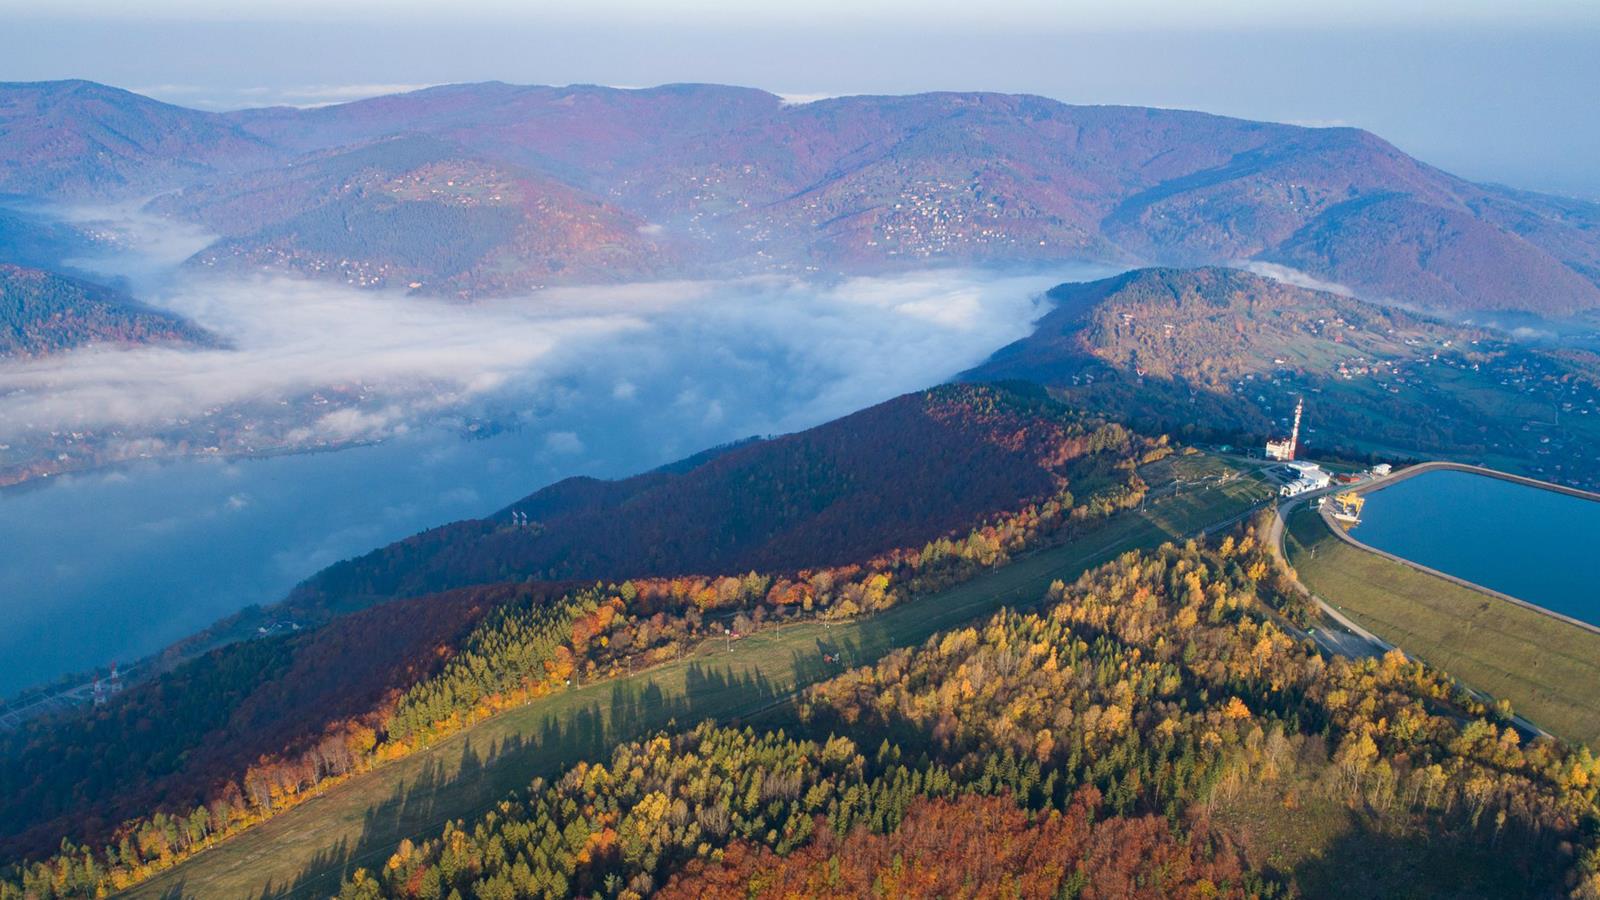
{"type": "Point", "coordinates": [1548, 669]}
{"type": "Point", "coordinates": [309, 849]}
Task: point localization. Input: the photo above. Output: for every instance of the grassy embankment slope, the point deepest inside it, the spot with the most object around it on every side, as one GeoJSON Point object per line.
{"type": "Point", "coordinates": [1547, 668]}
{"type": "Point", "coordinates": [359, 822]}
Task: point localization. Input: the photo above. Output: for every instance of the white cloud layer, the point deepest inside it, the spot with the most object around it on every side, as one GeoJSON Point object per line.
{"type": "Point", "coordinates": [305, 96]}
{"type": "Point", "coordinates": [1293, 276]}
{"type": "Point", "coordinates": [731, 347]}
{"type": "Point", "coordinates": [290, 337]}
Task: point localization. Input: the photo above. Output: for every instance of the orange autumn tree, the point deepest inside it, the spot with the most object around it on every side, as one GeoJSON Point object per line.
{"type": "Point", "coordinates": [980, 847]}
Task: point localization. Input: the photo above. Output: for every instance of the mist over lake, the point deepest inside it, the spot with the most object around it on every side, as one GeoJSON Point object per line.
{"type": "Point", "coordinates": [473, 406]}
{"type": "Point", "coordinates": [415, 405]}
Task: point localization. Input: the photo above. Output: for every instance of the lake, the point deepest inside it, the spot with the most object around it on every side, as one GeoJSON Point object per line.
{"type": "Point", "coordinates": [112, 566]}
{"type": "Point", "coordinates": [1534, 544]}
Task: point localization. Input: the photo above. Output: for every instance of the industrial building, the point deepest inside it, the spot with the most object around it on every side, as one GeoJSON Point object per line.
{"type": "Point", "coordinates": [1307, 476]}
{"type": "Point", "coordinates": [1346, 507]}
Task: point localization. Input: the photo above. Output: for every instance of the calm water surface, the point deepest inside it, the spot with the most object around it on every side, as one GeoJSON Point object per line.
{"type": "Point", "coordinates": [1534, 544]}
{"type": "Point", "coordinates": [112, 566]}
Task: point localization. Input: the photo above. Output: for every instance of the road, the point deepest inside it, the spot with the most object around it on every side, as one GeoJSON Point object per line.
{"type": "Point", "coordinates": [1354, 641]}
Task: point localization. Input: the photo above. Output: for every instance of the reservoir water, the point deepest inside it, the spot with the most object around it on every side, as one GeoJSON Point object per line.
{"type": "Point", "coordinates": [1534, 544]}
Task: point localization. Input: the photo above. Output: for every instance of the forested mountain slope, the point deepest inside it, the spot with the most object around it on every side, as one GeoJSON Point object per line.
{"type": "Point", "coordinates": [1226, 354]}
{"type": "Point", "coordinates": [192, 733]}
{"type": "Point", "coordinates": [76, 140]}
{"type": "Point", "coordinates": [1150, 731]}
{"type": "Point", "coordinates": [241, 732]}
{"type": "Point", "coordinates": [897, 474]}
{"type": "Point", "coordinates": [43, 313]}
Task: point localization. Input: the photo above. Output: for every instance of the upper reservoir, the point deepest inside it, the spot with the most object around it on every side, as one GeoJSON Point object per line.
{"type": "Point", "coordinates": [1536, 545]}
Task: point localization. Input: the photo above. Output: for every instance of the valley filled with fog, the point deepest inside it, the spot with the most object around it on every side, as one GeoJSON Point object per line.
{"type": "Point", "coordinates": [201, 501]}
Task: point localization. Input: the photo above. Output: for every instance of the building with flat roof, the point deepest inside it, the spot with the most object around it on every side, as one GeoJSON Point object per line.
{"type": "Point", "coordinates": [1311, 477]}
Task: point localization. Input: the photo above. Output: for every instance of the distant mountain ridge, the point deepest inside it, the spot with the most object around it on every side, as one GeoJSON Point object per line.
{"type": "Point", "coordinates": [79, 139]}
{"type": "Point", "coordinates": [524, 186]}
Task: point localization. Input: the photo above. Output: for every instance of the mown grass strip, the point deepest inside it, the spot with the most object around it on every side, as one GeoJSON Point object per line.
{"type": "Point", "coordinates": [1548, 669]}
{"type": "Point", "coordinates": [308, 849]}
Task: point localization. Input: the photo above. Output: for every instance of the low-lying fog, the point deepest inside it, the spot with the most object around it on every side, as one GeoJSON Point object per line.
{"type": "Point", "coordinates": [769, 352]}
{"type": "Point", "coordinates": [601, 380]}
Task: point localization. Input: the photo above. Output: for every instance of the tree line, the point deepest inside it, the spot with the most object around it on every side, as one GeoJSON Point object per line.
{"type": "Point", "coordinates": [1147, 698]}
{"type": "Point", "coordinates": [525, 643]}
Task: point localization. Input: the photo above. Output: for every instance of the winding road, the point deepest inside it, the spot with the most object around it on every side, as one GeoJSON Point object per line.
{"type": "Point", "coordinates": [1354, 641]}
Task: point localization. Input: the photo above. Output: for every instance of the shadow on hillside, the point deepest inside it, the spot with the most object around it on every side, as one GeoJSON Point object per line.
{"type": "Point", "coordinates": [836, 653]}
{"type": "Point", "coordinates": [474, 780]}
{"type": "Point", "coordinates": [1430, 863]}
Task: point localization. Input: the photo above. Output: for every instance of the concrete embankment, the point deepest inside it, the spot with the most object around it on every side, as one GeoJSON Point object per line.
{"type": "Point", "coordinates": [1358, 641]}
{"type": "Point", "coordinates": [1423, 468]}
{"type": "Point", "coordinates": [1379, 484]}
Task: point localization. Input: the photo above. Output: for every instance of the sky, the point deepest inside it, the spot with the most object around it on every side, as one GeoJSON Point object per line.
{"type": "Point", "coordinates": [1487, 89]}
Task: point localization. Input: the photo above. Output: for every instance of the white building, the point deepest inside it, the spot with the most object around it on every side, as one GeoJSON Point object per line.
{"type": "Point", "coordinates": [1311, 478]}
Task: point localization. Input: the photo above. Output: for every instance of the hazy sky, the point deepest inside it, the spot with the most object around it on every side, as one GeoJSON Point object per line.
{"type": "Point", "coordinates": [1122, 13]}
{"type": "Point", "coordinates": [1489, 89]}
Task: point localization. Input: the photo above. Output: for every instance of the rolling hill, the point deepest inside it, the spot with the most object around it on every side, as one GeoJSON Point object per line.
{"type": "Point", "coordinates": [43, 313]}
{"type": "Point", "coordinates": [1225, 353]}
{"type": "Point", "coordinates": [77, 140]}
{"type": "Point", "coordinates": [894, 475]}
{"type": "Point", "coordinates": [417, 211]}
{"type": "Point", "coordinates": [527, 185]}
